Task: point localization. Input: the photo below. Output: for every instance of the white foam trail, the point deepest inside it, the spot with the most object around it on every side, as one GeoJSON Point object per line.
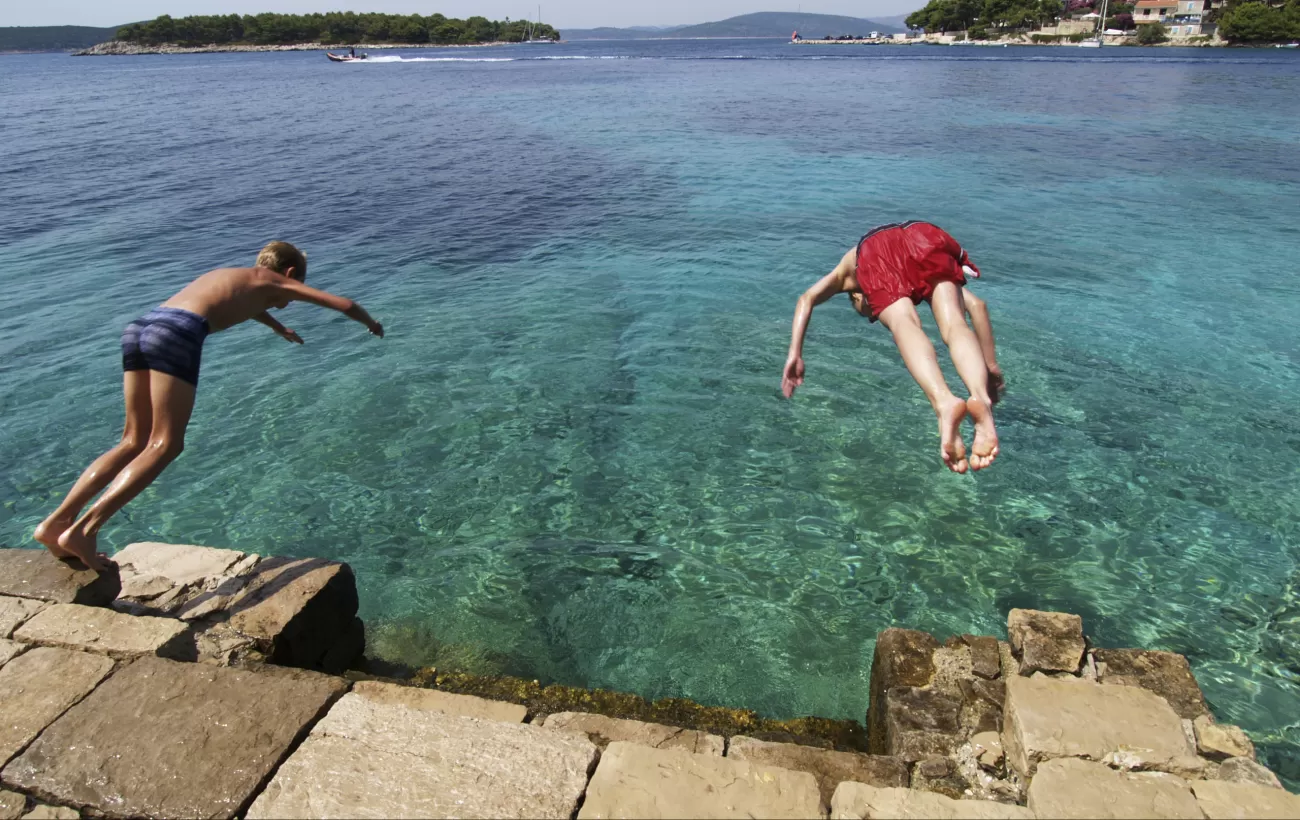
{"type": "Point", "coordinates": [390, 58]}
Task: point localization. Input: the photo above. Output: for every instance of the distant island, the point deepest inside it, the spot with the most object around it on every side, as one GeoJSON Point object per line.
{"type": "Point", "coordinates": [52, 38]}
{"type": "Point", "coordinates": [760, 24]}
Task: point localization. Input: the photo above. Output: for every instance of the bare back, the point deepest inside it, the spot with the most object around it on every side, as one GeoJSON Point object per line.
{"type": "Point", "coordinates": [228, 296]}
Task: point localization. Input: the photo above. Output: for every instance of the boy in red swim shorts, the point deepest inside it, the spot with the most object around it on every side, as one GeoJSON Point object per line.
{"type": "Point", "coordinates": [894, 268]}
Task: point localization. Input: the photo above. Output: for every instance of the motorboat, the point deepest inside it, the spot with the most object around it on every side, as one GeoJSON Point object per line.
{"type": "Point", "coordinates": [345, 58]}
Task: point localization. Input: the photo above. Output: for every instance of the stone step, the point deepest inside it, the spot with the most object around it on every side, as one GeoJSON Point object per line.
{"type": "Point", "coordinates": [14, 612]}
{"type": "Point", "coordinates": [434, 701]}
{"type": "Point", "coordinates": [39, 575]}
{"type": "Point", "coordinates": [858, 801]}
{"type": "Point", "coordinates": [384, 759]}
{"type": "Point", "coordinates": [605, 730]}
{"type": "Point", "coordinates": [95, 629]}
{"type": "Point", "coordinates": [638, 781]}
{"type": "Point", "coordinates": [10, 650]}
{"type": "Point", "coordinates": [1069, 788]}
{"type": "Point", "coordinates": [829, 768]}
{"type": "Point", "coordinates": [39, 686]}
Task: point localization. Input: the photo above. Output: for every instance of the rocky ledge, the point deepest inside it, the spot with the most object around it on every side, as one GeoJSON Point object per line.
{"type": "Point", "coordinates": [169, 690]}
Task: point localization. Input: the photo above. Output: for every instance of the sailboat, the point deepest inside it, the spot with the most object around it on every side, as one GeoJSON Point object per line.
{"type": "Point", "coordinates": [531, 35]}
{"type": "Point", "coordinates": [1096, 40]}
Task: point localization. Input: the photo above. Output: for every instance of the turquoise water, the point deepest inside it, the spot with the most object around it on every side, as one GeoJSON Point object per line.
{"type": "Point", "coordinates": [569, 459]}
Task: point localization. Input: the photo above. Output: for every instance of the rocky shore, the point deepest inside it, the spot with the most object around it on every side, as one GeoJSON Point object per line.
{"type": "Point", "coordinates": [121, 48]}
{"type": "Point", "coordinates": [218, 683]}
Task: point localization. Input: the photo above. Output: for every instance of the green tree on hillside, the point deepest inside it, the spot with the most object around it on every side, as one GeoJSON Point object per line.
{"type": "Point", "coordinates": [1151, 34]}
{"type": "Point", "coordinates": [999, 15]}
{"type": "Point", "coordinates": [1252, 21]}
{"type": "Point", "coordinates": [333, 27]}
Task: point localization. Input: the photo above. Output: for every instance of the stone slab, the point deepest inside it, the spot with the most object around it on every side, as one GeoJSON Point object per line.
{"type": "Point", "coordinates": [857, 801]}
{"type": "Point", "coordinates": [12, 805]}
{"type": "Point", "coordinates": [1230, 801]}
{"type": "Point", "coordinates": [38, 574]}
{"type": "Point", "coordinates": [43, 811]}
{"type": "Point", "coordinates": [178, 579]}
{"type": "Point", "coordinates": [115, 634]}
{"type": "Point", "coordinates": [828, 767]}
{"type": "Point", "coordinates": [1165, 673]}
{"type": "Point", "coordinates": [605, 730]}
{"type": "Point", "coordinates": [434, 701]}
{"type": "Point", "coordinates": [10, 650]}
{"type": "Point", "coordinates": [1046, 641]}
{"type": "Point", "coordinates": [637, 781]}
{"type": "Point", "coordinates": [1220, 741]}
{"type": "Point", "coordinates": [1047, 718]}
{"type": "Point", "coordinates": [902, 658]}
{"type": "Point", "coordinates": [298, 608]}
{"type": "Point", "coordinates": [167, 739]}
{"type": "Point", "coordinates": [1245, 770]}
{"type": "Point", "coordinates": [370, 759]}
{"type": "Point", "coordinates": [917, 723]}
{"type": "Point", "coordinates": [38, 686]}
{"type": "Point", "coordinates": [14, 612]}
{"type": "Point", "coordinates": [1071, 788]}
{"type": "Point", "coordinates": [986, 660]}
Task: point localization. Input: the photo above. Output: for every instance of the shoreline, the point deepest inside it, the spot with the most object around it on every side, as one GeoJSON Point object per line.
{"type": "Point", "coordinates": [119, 48]}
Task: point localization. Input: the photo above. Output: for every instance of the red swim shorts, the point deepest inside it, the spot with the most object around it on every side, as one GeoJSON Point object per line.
{"type": "Point", "coordinates": [905, 260]}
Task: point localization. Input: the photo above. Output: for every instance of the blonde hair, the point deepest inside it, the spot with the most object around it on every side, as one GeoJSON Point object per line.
{"type": "Point", "coordinates": [280, 256]}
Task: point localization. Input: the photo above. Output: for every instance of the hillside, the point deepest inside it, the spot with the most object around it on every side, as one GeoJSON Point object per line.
{"type": "Point", "coordinates": [761, 24]}
{"type": "Point", "coordinates": [782, 24]}
{"type": "Point", "coordinates": [52, 38]}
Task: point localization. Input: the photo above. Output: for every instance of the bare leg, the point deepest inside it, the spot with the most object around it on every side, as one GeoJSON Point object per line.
{"type": "Point", "coordinates": [918, 355]}
{"type": "Point", "coordinates": [172, 403]}
{"type": "Point", "coordinates": [983, 327]}
{"type": "Point", "coordinates": [968, 358]}
{"type": "Point", "coordinates": [139, 420]}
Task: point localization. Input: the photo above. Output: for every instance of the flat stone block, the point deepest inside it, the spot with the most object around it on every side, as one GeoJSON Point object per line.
{"type": "Point", "coordinates": [39, 575]}
{"type": "Point", "coordinates": [829, 768]}
{"type": "Point", "coordinates": [1220, 741]}
{"type": "Point", "coordinates": [1047, 718]}
{"type": "Point", "coordinates": [1071, 788]}
{"type": "Point", "coordinates": [1229, 801]}
{"type": "Point", "coordinates": [166, 739]}
{"type": "Point", "coordinates": [12, 805]}
{"type": "Point", "coordinates": [178, 579]}
{"type": "Point", "coordinates": [1046, 641]}
{"type": "Point", "coordinates": [1245, 770]}
{"type": "Point", "coordinates": [38, 686]}
{"type": "Point", "coordinates": [14, 612]}
{"type": "Point", "coordinates": [604, 730]}
{"type": "Point", "coordinates": [858, 801]}
{"type": "Point", "coordinates": [10, 650]}
{"type": "Point", "coordinates": [299, 608]}
{"type": "Point", "coordinates": [380, 760]}
{"type": "Point", "coordinates": [116, 634]}
{"type": "Point", "coordinates": [434, 701]}
{"type": "Point", "coordinates": [902, 658]}
{"type": "Point", "coordinates": [635, 781]}
{"type": "Point", "coordinates": [918, 723]}
{"type": "Point", "coordinates": [986, 660]}
{"type": "Point", "coordinates": [46, 812]}
{"type": "Point", "coordinates": [1165, 673]}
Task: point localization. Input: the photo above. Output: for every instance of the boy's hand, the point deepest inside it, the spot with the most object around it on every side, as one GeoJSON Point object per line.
{"type": "Point", "coordinates": [289, 336]}
{"type": "Point", "coordinates": [376, 329]}
{"type": "Point", "coordinates": [793, 376]}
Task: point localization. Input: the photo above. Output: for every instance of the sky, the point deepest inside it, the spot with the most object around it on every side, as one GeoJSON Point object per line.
{"type": "Point", "coordinates": [559, 13]}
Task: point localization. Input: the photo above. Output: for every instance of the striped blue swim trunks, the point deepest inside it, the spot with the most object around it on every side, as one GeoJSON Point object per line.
{"type": "Point", "coordinates": [169, 340]}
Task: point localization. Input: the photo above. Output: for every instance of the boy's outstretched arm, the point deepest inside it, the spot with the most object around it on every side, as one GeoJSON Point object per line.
{"type": "Point", "coordinates": [280, 330]}
{"type": "Point", "coordinates": [978, 311]}
{"type": "Point", "coordinates": [839, 280]}
{"type": "Point", "coordinates": [297, 291]}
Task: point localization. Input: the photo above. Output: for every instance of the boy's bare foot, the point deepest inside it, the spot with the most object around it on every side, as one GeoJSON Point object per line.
{"type": "Point", "coordinates": [951, 447]}
{"type": "Point", "coordinates": [997, 385]}
{"type": "Point", "coordinates": [83, 548]}
{"type": "Point", "coordinates": [985, 447]}
{"type": "Point", "coordinates": [48, 532]}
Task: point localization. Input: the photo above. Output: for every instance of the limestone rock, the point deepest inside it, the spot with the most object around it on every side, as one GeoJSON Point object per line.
{"type": "Point", "coordinates": [986, 661]}
{"type": "Point", "coordinates": [46, 812]}
{"type": "Point", "coordinates": [12, 805]}
{"type": "Point", "coordinates": [941, 776]}
{"type": "Point", "coordinates": [1047, 718]}
{"type": "Point", "coordinates": [298, 608]}
{"type": "Point", "coordinates": [858, 801]}
{"type": "Point", "coordinates": [177, 579]}
{"type": "Point", "coordinates": [1165, 673]}
{"type": "Point", "coordinates": [369, 759]}
{"type": "Point", "coordinates": [830, 768]}
{"type": "Point", "coordinates": [413, 697]}
{"type": "Point", "coordinates": [115, 634]}
{"type": "Point", "coordinates": [605, 730]}
{"type": "Point", "coordinates": [1245, 770]}
{"type": "Point", "coordinates": [1046, 641]}
{"type": "Point", "coordinates": [10, 650]}
{"type": "Point", "coordinates": [919, 723]}
{"type": "Point", "coordinates": [1220, 741]}
{"type": "Point", "coordinates": [902, 658]}
{"type": "Point", "coordinates": [167, 739]}
{"type": "Point", "coordinates": [982, 705]}
{"type": "Point", "coordinates": [1070, 788]}
{"type": "Point", "coordinates": [988, 750]}
{"type": "Point", "coordinates": [1226, 801]}
{"type": "Point", "coordinates": [14, 612]}
{"type": "Point", "coordinates": [38, 686]}
{"type": "Point", "coordinates": [347, 651]}
{"type": "Point", "coordinates": [637, 781]}
{"type": "Point", "coordinates": [39, 575]}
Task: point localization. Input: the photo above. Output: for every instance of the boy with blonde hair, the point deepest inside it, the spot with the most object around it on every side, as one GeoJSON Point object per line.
{"type": "Point", "coordinates": [894, 268]}
{"type": "Point", "coordinates": [160, 357]}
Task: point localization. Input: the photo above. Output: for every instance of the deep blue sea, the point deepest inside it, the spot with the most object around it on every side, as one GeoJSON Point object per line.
{"type": "Point", "coordinates": [570, 460]}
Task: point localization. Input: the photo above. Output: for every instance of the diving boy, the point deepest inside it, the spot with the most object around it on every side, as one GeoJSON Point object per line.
{"type": "Point", "coordinates": [160, 357]}
{"type": "Point", "coordinates": [894, 268]}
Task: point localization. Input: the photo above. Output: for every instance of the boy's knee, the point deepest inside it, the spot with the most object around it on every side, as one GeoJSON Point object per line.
{"type": "Point", "coordinates": [166, 447]}
{"type": "Point", "coordinates": [132, 445]}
